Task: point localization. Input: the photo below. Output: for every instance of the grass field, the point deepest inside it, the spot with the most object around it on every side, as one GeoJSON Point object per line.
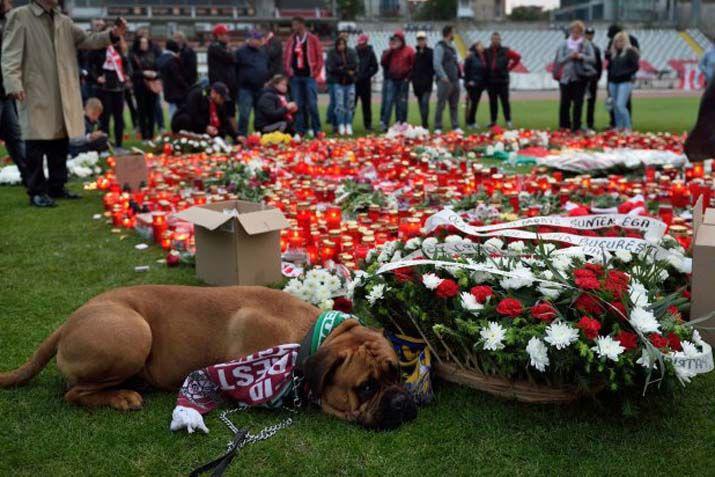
{"type": "Point", "coordinates": [52, 261]}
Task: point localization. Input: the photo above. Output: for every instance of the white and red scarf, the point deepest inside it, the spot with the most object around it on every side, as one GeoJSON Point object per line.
{"type": "Point", "coordinates": [113, 62]}
{"type": "Point", "coordinates": [298, 50]}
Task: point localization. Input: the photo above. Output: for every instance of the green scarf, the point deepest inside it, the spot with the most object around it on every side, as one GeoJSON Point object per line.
{"type": "Point", "coordinates": [319, 332]}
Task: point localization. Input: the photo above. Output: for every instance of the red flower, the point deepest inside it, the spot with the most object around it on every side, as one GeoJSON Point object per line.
{"type": "Point", "coordinates": [588, 304]}
{"type": "Point", "coordinates": [543, 311]}
{"type": "Point", "coordinates": [627, 339]}
{"type": "Point", "coordinates": [482, 293]}
{"type": "Point", "coordinates": [686, 294]}
{"type": "Point", "coordinates": [404, 274]}
{"type": "Point", "coordinates": [342, 304]}
{"type": "Point", "coordinates": [578, 211]}
{"type": "Point", "coordinates": [620, 310]}
{"type": "Point", "coordinates": [589, 326]}
{"type": "Point", "coordinates": [510, 307]}
{"type": "Point", "coordinates": [447, 289]}
{"type": "Point", "coordinates": [616, 282]}
{"type": "Point", "coordinates": [658, 340]}
{"type": "Point", "coordinates": [586, 279]}
{"type": "Point", "coordinates": [674, 342]}
{"type": "Point", "coordinates": [595, 268]}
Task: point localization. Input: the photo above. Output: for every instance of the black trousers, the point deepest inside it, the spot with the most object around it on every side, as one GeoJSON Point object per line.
{"type": "Point", "coordinates": [499, 91]}
{"type": "Point", "coordinates": [592, 89]}
{"type": "Point", "coordinates": [363, 93]}
{"type": "Point", "coordinates": [146, 110]}
{"type": "Point", "coordinates": [474, 95]}
{"type": "Point", "coordinates": [56, 151]}
{"type": "Point", "coordinates": [131, 104]}
{"type": "Point", "coordinates": [571, 106]}
{"type": "Point", "coordinates": [113, 104]}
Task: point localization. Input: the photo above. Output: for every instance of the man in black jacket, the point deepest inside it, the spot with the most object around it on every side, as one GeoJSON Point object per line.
{"type": "Point", "coordinates": [274, 49]}
{"type": "Point", "coordinates": [446, 68]}
{"type": "Point", "coordinates": [422, 76]}
{"type": "Point", "coordinates": [501, 61]}
{"type": "Point", "coordinates": [252, 71]}
{"type": "Point", "coordinates": [222, 67]}
{"type": "Point", "coordinates": [205, 112]}
{"type": "Point", "coordinates": [367, 68]}
{"type": "Point", "coordinates": [9, 122]}
{"type": "Point", "coordinates": [475, 81]}
{"type": "Point", "coordinates": [172, 74]}
{"type": "Point", "coordinates": [592, 87]}
{"type": "Point", "coordinates": [189, 62]}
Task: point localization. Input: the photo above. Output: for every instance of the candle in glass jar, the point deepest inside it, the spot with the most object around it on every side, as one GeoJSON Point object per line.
{"type": "Point", "coordinates": [333, 217]}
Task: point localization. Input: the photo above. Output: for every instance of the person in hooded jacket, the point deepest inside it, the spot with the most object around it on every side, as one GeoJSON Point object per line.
{"type": "Point", "coordinates": [252, 69]}
{"type": "Point", "coordinates": [397, 61]}
{"type": "Point", "coordinates": [423, 76]}
{"type": "Point", "coordinates": [476, 81]}
{"type": "Point", "coordinates": [446, 68]}
{"type": "Point", "coordinates": [341, 67]}
{"type": "Point", "coordinates": [273, 111]}
{"type": "Point", "coordinates": [367, 68]}
{"type": "Point", "coordinates": [172, 73]}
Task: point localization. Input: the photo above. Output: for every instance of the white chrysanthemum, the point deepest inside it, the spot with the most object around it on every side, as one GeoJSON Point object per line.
{"type": "Point", "coordinates": [518, 246]}
{"type": "Point", "coordinates": [470, 303]}
{"type": "Point", "coordinates": [453, 239]}
{"type": "Point", "coordinates": [697, 339]}
{"type": "Point", "coordinates": [429, 242]}
{"type": "Point", "coordinates": [538, 353]}
{"type": "Point", "coordinates": [644, 321]}
{"type": "Point", "coordinates": [607, 347]}
{"type": "Point", "coordinates": [663, 275]}
{"type": "Point", "coordinates": [396, 257]}
{"type": "Point", "coordinates": [561, 262]}
{"type": "Point", "coordinates": [648, 358]}
{"type": "Point", "coordinates": [561, 335]}
{"type": "Point", "coordinates": [624, 256]}
{"type": "Point", "coordinates": [684, 374]}
{"type": "Point", "coordinates": [638, 294]}
{"type": "Point", "coordinates": [326, 305]}
{"type": "Point", "coordinates": [549, 247]}
{"type": "Point", "coordinates": [549, 291]}
{"type": "Point", "coordinates": [520, 277]}
{"type": "Point", "coordinates": [494, 244]}
{"type": "Point", "coordinates": [376, 294]}
{"type": "Point", "coordinates": [480, 277]}
{"type": "Point", "coordinates": [680, 262]}
{"type": "Point", "coordinates": [413, 243]}
{"type": "Point", "coordinates": [493, 336]}
{"type": "Point", "coordinates": [431, 281]}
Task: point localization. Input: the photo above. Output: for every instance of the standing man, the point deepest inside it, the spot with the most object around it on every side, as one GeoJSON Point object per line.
{"type": "Point", "coordinates": [40, 69]}
{"type": "Point", "coordinates": [252, 67]}
{"type": "Point", "coordinates": [501, 61]}
{"type": "Point", "coordinates": [446, 68]}
{"type": "Point", "coordinates": [173, 75]}
{"type": "Point", "coordinates": [422, 76]}
{"type": "Point", "coordinates": [707, 64]}
{"type": "Point", "coordinates": [367, 68]}
{"type": "Point", "coordinates": [274, 49]}
{"type": "Point", "coordinates": [303, 63]}
{"type": "Point", "coordinates": [189, 63]}
{"type": "Point", "coordinates": [592, 86]}
{"type": "Point", "coordinates": [397, 61]}
{"type": "Point", "coordinates": [9, 124]}
{"type": "Point", "coordinates": [222, 69]}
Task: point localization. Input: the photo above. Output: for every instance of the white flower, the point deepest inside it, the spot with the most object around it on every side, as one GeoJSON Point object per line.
{"type": "Point", "coordinates": [644, 321]}
{"type": "Point", "coordinates": [396, 257]}
{"type": "Point", "coordinates": [607, 347]}
{"type": "Point", "coordinates": [480, 277]}
{"type": "Point", "coordinates": [376, 294]}
{"type": "Point", "coordinates": [684, 373]}
{"type": "Point", "coordinates": [648, 358]}
{"type": "Point", "coordinates": [517, 246]}
{"type": "Point", "coordinates": [470, 303]}
{"type": "Point", "coordinates": [370, 255]}
{"type": "Point", "coordinates": [538, 353]}
{"type": "Point", "coordinates": [453, 239]}
{"type": "Point", "coordinates": [679, 262]}
{"type": "Point", "coordinates": [493, 336]}
{"type": "Point", "coordinates": [561, 262]}
{"type": "Point", "coordinates": [326, 305]}
{"type": "Point", "coordinates": [431, 281]}
{"type": "Point", "coordinates": [520, 277]}
{"type": "Point", "coordinates": [697, 339]}
{"type": "Point", "coordinates": [624, 256]}
{"type": "Point", "coordinates": [663, 275]}
{"type": "Point", "coordinates": [561, 335]}
{"type": "Point", "coordinates": [638, 294]}
{"type": "Point", "coordinates": [494, 244]}
{"type": "Point", "coordinates": [429, 243]}
{"type": "Point", "coordinates": [413, 243]}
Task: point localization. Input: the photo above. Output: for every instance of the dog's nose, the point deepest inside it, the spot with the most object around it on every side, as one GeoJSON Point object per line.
{"type": "Point", "coordinates": [398, 402]}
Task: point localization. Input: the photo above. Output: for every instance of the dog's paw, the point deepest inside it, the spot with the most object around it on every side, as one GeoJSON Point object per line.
{"type": "Point", "coordinates": [187, 418]}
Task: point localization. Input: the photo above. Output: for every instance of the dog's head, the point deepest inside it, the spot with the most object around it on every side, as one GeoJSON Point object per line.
{"type": "Point", "coordinates": [356, 375]}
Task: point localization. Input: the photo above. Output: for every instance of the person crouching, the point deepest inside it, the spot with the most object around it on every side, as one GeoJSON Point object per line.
{"type": "Point", "coordinates": [94, 139]}
{"type": "Point", "coordinates": [273, 111]}
{"type": "Point", "coordinates": [205, 112]}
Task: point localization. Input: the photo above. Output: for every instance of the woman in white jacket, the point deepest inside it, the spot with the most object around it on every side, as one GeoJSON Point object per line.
{"type": "Point", "coordinates": [574, 64]}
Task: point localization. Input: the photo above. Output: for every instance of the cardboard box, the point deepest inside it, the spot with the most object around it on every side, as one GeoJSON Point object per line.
{"type": "Point", "coordinates": [703, 277]}
{"type": "Point", "coordinates": [131, 171]}
{"type": "Point", "coordinates": [237, 242]}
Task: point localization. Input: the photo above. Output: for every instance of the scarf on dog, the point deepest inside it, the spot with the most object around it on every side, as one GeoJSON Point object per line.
{"type": "Point", "coordinates": [264, 378]}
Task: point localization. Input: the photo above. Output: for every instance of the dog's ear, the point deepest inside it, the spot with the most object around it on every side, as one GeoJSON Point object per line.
{"type": "Point", "coordinates": [320, 367]}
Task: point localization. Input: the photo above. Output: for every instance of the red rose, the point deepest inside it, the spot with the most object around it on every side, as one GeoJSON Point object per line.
{"type": "Point", "coordinates": [686, 294]}
{"type": "Point", "coordinates": [589, 326]}
{"type": "Point", "coordinates": [510, 307]}
{"type": "Point", "coordinates": [627, 339]}
{"type": "Point", "coordinates": [404, 274]}
{"type": "Point", "coordinates": [588, 304]}
{"type": "Point", "coordinates": [674, 342]}
{"type": "Point", "coordinates": [447, 289]}
{"type": "Point", "coordinates": [595, 268]}
{"type": "Point", "coordinates": [482, 293]}
{"type": "Point", "coordinates": [342, 304]}
{"type": "Point", "coordinates": [616, 282]}
{"type": "Point", "coordinates": [658, 340]}
{"type": "Point", "coordinates": [543, 311]}
{"type": "Point", "coordinates": [586, 279]}
{"type": "Point", "coordinates": [578, 211]}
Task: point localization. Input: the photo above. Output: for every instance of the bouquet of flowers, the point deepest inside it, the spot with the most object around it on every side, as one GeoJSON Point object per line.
{"type": "Point", "coordinates": [319, 287]}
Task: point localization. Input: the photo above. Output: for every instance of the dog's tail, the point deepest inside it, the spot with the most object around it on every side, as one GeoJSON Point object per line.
{"type": "Point", "coordinates": [34, 365]}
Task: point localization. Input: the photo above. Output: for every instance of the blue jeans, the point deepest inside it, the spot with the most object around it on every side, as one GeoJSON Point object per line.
{"type": "Point", "coordinates": [395, 94]}
{"type": "Point", "coordinates": [304, 91]}
{"type": "Point", "coordinates": [11, 134]}
{"type": "Point", "coordinates": [344, 103]}
{"type": "Point", "coordinates": [247, 100]}
{"type": "Point", "coordinates": [332, 118]}
{"type": "Point", "coordinates": [620, 92]}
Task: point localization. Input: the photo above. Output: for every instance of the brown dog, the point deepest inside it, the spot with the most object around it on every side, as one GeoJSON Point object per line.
{"type": "Point", "coordinates": [162, 333]}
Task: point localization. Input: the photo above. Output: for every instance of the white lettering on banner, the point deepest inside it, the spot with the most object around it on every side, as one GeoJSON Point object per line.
{"type": "Point", "coordinates": [261, 390]}
{"type": "Point", "coordinates": [698, 364]}
{"type": "Point", "coordinates": [243, 375]}
{"type": "Point", "coordinates": [223, 381]}
{"type": "Point", "coordinates": [654, 229]}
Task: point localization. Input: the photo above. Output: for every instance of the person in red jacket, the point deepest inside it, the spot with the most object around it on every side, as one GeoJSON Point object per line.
{"type": "Point", "coordinates": [303, 64]}
{"type": "Point", "coordinates": [397, 63]}
{"type": "Point", "coordinates": [500, 61]}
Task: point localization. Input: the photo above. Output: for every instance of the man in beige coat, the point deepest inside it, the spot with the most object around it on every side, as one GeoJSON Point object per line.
{"type": "Point", "coordinates": [40, 70]}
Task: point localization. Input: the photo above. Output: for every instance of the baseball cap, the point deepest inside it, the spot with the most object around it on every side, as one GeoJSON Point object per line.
{"type": "Point", "coordinates": [590, 31]}
{"type": "Point", "coordinates": [221, 89]}
{"type": "Point", "coordinates": [220, 29]}
{"type": "Point", "coordinates": [362, 39]}
{"type": "Point", "coordinates": [421, 34]}
{"type": "Point", "coordinates": [255, 34]}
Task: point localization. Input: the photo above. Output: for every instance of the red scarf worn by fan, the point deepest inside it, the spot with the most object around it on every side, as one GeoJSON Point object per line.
{"type": "Point", "coordinates": [284, 103]}
{"type": "Point", "coordinates": [298, 50]}
{"type": "Point", "coordinates": [213, 115]}
{"type": "Point", "coordinates": [113, 62]}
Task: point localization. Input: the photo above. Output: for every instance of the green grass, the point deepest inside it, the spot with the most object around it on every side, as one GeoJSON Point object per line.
{"type": "Point", "coordinates": [52, 261]}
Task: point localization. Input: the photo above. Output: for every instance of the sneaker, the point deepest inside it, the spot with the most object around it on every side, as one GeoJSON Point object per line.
{"type": "Point", "coordinates": [458, 130]}
{"type": "Point", "coordinates": [438, 131]}
{"type": "Point", "coordinates": [296, 137]}
{"type": "Point", "coordinates": [310, 133]}
{"type": "Point", "coordinates": [42, 200]}
{"type": "Point", "coordinates": [341, 130]}
{"type": "Point", "coordinates": [349, 129]}
{"type": "Point", "coordinates": [509, 125]}
{"type": "Point", "coordinates": [472, 126]}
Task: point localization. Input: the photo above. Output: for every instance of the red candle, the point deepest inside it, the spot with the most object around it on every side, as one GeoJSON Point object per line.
{"type": "Point", "coordinates": [333, 217]}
